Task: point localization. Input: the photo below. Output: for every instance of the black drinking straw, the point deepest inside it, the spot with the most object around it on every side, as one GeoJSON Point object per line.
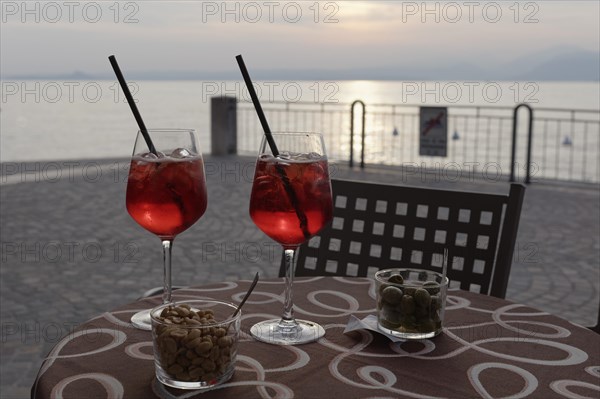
{"type": "Point", "coordinates": [131, 102]}
{"type": "Point", "coordinates": [265, 125]}
{"type": "Point", "coordinates": [259, 111]}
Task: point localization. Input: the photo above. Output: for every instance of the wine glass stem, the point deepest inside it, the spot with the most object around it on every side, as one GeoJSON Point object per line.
{"type": "Point", "coordinates": [288, 305]}
{"type": "Point", "coordinates": [167, 245]}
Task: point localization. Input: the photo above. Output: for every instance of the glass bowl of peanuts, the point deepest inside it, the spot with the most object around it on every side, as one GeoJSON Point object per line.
{"type": "Point", "coordinates": [195, 343]}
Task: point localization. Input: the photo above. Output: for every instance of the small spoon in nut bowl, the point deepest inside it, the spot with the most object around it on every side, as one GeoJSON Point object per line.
{"type": "Point", "coordinates": [254, 282]}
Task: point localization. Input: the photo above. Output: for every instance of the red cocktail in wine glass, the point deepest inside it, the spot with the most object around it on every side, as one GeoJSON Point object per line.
{"type": "Point", "coordinates": [166, 193]}
{"type": "Point", "coordinates": [291, 202]}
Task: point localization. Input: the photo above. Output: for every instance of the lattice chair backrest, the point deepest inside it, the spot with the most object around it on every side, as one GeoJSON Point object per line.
{"type": "Point", "coordinates": [378, 226]}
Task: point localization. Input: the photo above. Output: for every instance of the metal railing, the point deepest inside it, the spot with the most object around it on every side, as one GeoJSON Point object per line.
{"type": "Point", "coordinates": [515, 130]}
{"type": "Point", "coordinates": [331, 119]}
{"type": "Point", "coordinates": [565, 144]}
{"type": "Point", "coordinates": [363, 132]}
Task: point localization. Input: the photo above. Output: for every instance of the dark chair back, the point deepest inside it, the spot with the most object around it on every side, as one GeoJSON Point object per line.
{"type": "Point", "coordinates": [379, 226]}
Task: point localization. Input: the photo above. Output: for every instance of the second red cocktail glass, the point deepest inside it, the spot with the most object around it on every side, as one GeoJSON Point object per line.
{"type": "Point", "coordinates": [291, 202]}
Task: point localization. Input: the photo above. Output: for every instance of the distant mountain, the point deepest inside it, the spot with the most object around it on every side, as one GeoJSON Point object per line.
{"type": "Point", "coordinates": [75, 75]}
{"type": "Point", "coordinates": [574, 66]}
{"type": "Point", "coordinates": [533, 59]}
{"type": "Point", "coordinates": [566, 63]}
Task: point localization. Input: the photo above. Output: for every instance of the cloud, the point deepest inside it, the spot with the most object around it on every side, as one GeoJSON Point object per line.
{"type": "Point", "coordinates": [205, 36]}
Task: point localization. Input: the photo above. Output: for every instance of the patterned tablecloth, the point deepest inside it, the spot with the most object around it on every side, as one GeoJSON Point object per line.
{"type": "Point", "coordinates": [489, 348]}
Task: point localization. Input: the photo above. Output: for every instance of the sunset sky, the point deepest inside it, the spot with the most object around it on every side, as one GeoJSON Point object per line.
{"type": "Point", "coordinates": [205, 36]}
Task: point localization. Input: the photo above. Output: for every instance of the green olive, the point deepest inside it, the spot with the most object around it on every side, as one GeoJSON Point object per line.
{"type": "Point", "coordinates": [407, 305]}
{"type": "Point", "coordinates": [392, 295]}
{"type": "Point", "coordinates": [422, 297]}
{"type": "Point", "coordinates": [409, 324]}
{"type": "Point", "coordinates": [432, 287]}
{"type": "Point", "coordinates": [396, 279]}
{"type": "Point", "coordinates": [436, 303]}
{"type": "Point", "coordinates": [434, 308]}
{"type": "Point", "coordinates": [383, 287]}
{"type": "Point", "coordinates": [387, 324]}
{"type": "Point", "coordinates": [426, 326]}
{"type": "Point", "coordinates": [390, 316]}
{"type": "Point", "coordinates": [410, 290]}
{"type": "Point", "coordinates": [422, 312]}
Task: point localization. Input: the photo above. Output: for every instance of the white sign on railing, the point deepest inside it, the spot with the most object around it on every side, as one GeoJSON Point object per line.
{"type": "Point", "coordinates": [433, 131]}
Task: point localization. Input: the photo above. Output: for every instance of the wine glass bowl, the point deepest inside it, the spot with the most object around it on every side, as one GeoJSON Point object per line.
{"type": "Point", "coordinates": [166, 193]}
{"type": "Point", "coordinates": [291, 202]}
{"type": "Point", "coordinates": [274, 212]}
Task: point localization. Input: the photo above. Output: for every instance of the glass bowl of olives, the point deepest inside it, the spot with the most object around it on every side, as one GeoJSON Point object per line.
{"type": "Point", "coordinates": [410, 302]}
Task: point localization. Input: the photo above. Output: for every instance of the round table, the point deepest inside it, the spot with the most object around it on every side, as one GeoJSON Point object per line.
{"type": "Point", "coordinates": [489, 348]}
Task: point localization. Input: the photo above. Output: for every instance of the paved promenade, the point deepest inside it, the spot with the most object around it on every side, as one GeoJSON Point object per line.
{"type": "Point", "coordinates": [70, 250]}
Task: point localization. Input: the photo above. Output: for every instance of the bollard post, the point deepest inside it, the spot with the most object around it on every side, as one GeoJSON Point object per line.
{"type": "Point", "coordinates": [223, 125]}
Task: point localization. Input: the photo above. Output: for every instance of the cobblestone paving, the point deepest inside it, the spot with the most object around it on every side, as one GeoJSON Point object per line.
{"type": "Point", "coordinates": [71, 251]}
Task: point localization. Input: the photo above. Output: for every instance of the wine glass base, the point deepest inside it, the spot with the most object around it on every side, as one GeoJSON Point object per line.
{"type": "Point", "coordinates": [279, 332]}
{"type": "Point", "coordinates": [141, 320]}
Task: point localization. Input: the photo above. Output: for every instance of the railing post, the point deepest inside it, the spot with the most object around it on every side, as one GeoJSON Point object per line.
{"type": "Point", "coordinates": [362, 141]}
{"type": "Point", "coordinates": [514, 143]}
{"type": "Point", "coordinates": [223, 125]}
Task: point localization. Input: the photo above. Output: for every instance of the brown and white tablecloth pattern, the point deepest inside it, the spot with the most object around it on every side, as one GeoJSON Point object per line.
{"type": "Point", "coordinates": [490, 348]}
